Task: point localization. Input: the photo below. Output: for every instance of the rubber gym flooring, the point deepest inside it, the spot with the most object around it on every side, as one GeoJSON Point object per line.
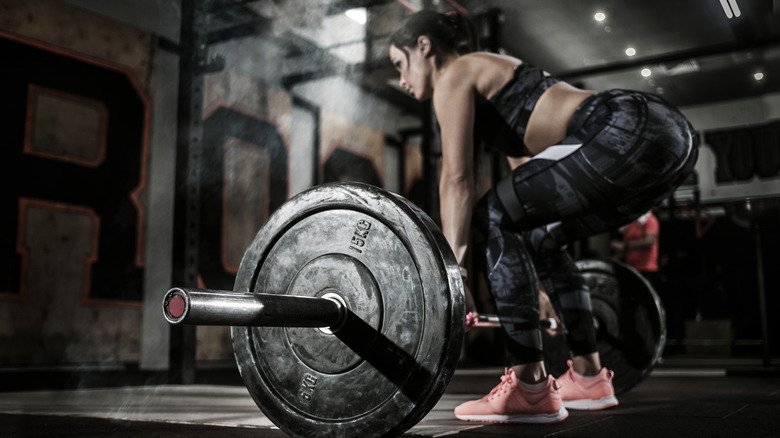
{"type": "Point", "coordinates": [669, 403]}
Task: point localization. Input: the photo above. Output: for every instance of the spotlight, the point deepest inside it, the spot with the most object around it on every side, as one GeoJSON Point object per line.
{"type": "Point", "coordinates": [646, 72]}
{"type": "Point", "coordinates": [758, 76]}
{"type": "Point", "coordinates": [357, 14]}
{"type": "Point", "coordinates": [730, 8]}
{"type": "Point", "coordinates": [600, 16]}
{"type": "Point", "coordinates": [630, 51]}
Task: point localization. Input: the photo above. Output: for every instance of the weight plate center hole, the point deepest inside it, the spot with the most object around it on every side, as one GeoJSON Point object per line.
{"type": "Point", "coordinates": [343, 310]}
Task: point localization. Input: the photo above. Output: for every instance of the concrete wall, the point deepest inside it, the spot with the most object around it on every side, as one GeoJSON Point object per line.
{"type": "Point", "coordinates": [158, 17]}
{"type": "Point", "coordinates": [58, 315]}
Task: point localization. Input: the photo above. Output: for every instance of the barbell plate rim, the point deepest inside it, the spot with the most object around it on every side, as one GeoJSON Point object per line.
{"type": "Point", "coordinates": [618, 269]}
{"type": "Point", "coordinates": [359, 197]}
{"type": "Point", "coordinates": [658, 307]}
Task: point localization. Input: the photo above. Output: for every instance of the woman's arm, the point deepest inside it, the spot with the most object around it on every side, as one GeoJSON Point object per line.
{"type": "Point", "coordinates": [454, 104]}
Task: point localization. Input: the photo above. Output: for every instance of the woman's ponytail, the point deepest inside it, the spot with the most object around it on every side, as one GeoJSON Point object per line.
{"type": "Point", "coordinates": [465, 31]}
{"type": "Point", "coordinates": [449, 32]}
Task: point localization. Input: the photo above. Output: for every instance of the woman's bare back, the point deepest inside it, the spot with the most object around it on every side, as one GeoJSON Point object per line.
{"type": "Point", "coordinates": [547, 125]}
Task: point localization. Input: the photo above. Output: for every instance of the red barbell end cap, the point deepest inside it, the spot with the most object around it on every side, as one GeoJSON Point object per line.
{"type": "Point", "coordinates": [176, 306]}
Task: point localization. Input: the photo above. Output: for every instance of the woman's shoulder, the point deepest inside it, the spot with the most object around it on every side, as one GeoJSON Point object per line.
{"type": "Point", "coordinates": [482, 61]}
{"type": "Point", "coordinates": [474, 65]}
{"type": "Point", "coordinates": [459, 72]}
{"type": "Point", "coordinates": [482, 71]}
{"type": "Point", "coordinates": [491, 57]}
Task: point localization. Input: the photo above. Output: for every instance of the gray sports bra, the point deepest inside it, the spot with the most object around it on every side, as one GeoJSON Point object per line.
{"type": "Point", "coordinates": [501, 121]}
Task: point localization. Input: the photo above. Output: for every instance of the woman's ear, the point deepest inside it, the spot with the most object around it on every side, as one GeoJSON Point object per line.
{"type": "Point", "coordinates": [424, 45]}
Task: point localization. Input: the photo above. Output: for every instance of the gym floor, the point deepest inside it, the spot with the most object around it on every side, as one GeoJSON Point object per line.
{"type": "Point", "coordinates": [674, 402]}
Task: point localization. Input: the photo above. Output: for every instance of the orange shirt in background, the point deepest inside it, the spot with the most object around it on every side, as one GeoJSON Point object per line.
{"type": "Point", "coordinates": [642, 259]}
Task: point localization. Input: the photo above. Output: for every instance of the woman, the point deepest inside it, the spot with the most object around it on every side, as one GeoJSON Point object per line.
{"type": "Point", "coordinates": [597, 161]}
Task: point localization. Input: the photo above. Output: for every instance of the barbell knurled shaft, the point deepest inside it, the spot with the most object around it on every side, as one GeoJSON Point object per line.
{"type": "Point", "coordinates": [488, 320]}
{"type": "Point", "coordinates": [227, 308]}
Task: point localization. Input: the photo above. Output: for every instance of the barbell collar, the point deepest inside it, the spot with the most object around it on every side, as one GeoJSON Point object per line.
{"type": "Point", "coordinates": [227, 308]}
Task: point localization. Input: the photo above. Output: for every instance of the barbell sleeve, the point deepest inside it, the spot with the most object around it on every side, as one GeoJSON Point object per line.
{"type": "Point", "coordinates": [227, 308]}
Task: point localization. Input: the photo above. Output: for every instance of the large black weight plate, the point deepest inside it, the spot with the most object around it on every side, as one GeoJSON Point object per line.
{"type": "Point", "coordinates": [630, 324]}
{"type": "Point", "coordinates": [391, 361]}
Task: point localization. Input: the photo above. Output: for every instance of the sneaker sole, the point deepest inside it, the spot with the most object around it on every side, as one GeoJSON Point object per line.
{"type": "Point", "coordinates": [591, 405]}
{"type": "Point", "coordinates": [524, 418]}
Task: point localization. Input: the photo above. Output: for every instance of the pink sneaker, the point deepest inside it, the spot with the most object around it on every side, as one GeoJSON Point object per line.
{"type": "Point", "coordinates": [590, 393]}
{"type": "Point", "coordinates": [513, 402]}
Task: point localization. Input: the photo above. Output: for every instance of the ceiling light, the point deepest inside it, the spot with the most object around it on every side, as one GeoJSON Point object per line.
{"type": "Point", "coordinates": [646, 72]}
{"type": "Point", "coordinates": [730, 8]}
{"type": "Point", "coordinates": [600, 16]}
{"type": "Point", "coordinates": [630, 51]}
{"type": "Point", "coordinates": [357, 14]}
{"type": "Point", "coordinates": [735, 8]}
{"type": "Point", "coordinates": [758, 76]}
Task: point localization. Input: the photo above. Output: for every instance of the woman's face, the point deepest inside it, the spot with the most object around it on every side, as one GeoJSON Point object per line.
{"type": "Point", "coordinates": [415, 70]}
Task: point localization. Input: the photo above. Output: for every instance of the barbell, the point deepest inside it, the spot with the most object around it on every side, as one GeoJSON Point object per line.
{"type": "Point", "coordinates": [347, 314]}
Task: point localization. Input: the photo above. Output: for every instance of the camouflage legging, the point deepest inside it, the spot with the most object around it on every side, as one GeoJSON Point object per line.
{"type": "Point", "coordinates": [635, 151]}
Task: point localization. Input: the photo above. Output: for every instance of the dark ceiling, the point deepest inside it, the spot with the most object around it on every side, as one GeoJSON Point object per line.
{"type": "Point", "coordinates": [694, 52]}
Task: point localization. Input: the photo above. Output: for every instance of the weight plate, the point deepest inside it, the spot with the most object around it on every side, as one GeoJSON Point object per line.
{"type": "Point", "coordinates": [630, 324]}
{"type": "Point", "coordinates": [389, 363]}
